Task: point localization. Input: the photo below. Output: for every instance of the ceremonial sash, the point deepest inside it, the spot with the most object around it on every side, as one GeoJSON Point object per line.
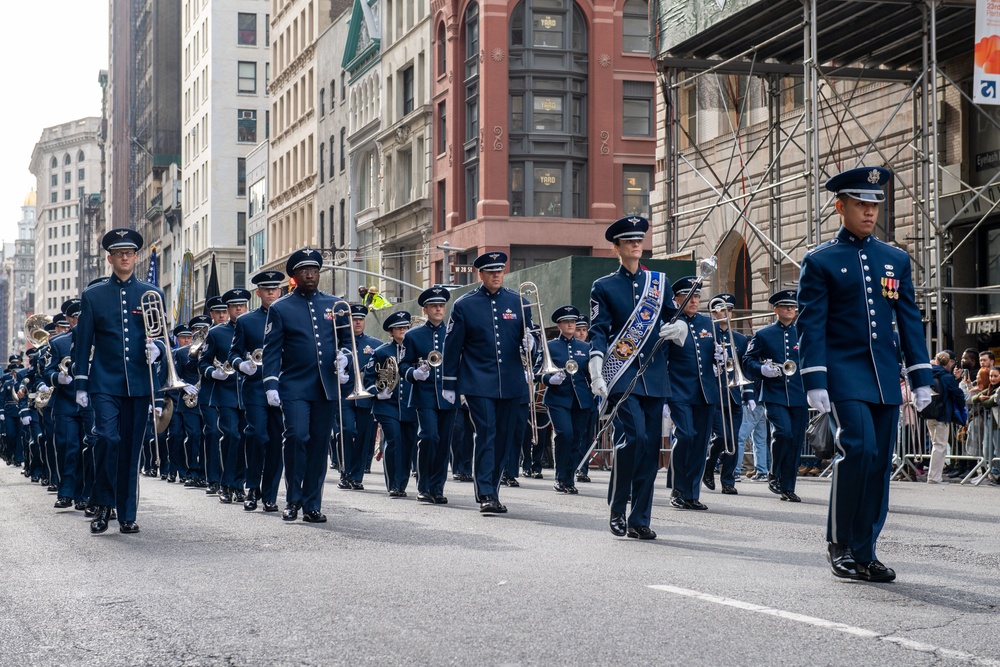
{"type": "Point", "coordinates": [624, 348]}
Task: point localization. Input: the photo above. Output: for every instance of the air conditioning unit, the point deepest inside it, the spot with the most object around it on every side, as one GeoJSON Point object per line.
{"type": "Point", "coordinates": [247, 114]}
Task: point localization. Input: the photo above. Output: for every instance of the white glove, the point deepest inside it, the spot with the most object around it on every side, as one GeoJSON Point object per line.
{"type": "Point", "coordinates": [769, 370]}
{"type": "Point", "coordinates": [720, 354]}
{"type": "Point", "coordinates": [751, 405]}
{"type": "Point", "coordinates": [528, 377]}
{"type": "Point", "coordinates": [922, 397]}
{"type": "Point", "coordinates": [384, 395]}
{"type": "Point", "coordinates": [63, 378]}
{"type": "Point", "coordinates": [666, 411]}
{"type": "Point", "coordinates": [529, 341]}
{"type": "Point", "coordinates": [42, 387]}
{"type": "Point", "coordinates": [190, 389]}
{"type": "Point", "coordinates": [219, 374]}
{"type": "Point", "coordinates": [248, 367]}
{"type": "Point", "coordinates": [272, 398]}
{"type": "Point", "coordinates": [158, 411]}
{"type": "Point", "coordinates": [152, 352]}
{"type": "Point", "coordinates": [448, 395]}
{"type": "Point", "coordinates": [819, 399]}
{"type": "Point", "coordinates": [3, 417]}
{"type": "Point", "coordinates": [26, 420]}
{"type": "Point", "coordinates": [82, 399]}
{"type": "Point", "coordinates": [597, 384]}
{"type": "Point", "coordinates": [557, 379]}
{"type": "Point", "coordinates": [343, 377]}
{"type": "Point", "coordinates": [676, 333]}
{"type": "Point", "coordinates": [341, 361]}
{"type": "Point", "coordinates": [421, 373]}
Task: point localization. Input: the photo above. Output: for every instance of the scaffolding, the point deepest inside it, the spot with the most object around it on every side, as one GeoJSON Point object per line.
{"type": "Point", "coordinates": [803, 90]}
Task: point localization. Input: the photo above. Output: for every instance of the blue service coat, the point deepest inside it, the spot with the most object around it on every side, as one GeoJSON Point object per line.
{"type": "Point", "coordinates": [738, 347]}
{"type": "Point", "coordinates": [851, 291]}
{"type": "Point", "coordinates": [111, 323]}
{"type": "Point", "coordinates": [186, 372]}
{"type": "Point", "coordinates": [217, 393]}
{"type": "Point", "coordinates": [779, 343]}
{"type": "Point", "coordinates": [300, 345]}
{"type": "Point", "coordinates": [574, 392]}
{"type": "Point", "coordinates": [417, 344]}
{"type": "Point", "coordinates": [63, 401]}
{"type": "Point", "coordinates": [694, 359]}
{"type": "Point", "coordinates": [366, 348]}
{"type": "Point", "coordinates": [613, 298]}
{"type": "Point", "coordinates": [248, 335]}
{"type": "Point", "coordinates": [482, 352]}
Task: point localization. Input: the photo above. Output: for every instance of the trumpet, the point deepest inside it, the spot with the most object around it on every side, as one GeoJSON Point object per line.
{"type": "Point", "coordinates": [65, 364]}
{"type": "Point", "coordinates": [226, 368]}
{"type": "Point", "coordinates": [257, 356]}
{"type": "Point", "coordinates": [787, 368]}
{"type": "Point", "coordinates": [197, 342]}
{"type": "Point", "coordinates": [433, 360]}
{"type": "Point", "coordinates": [42, 397]}
{"type": "Point", "coordinates": [191, 400]}
{"type": "Point", "coordinates": [572, 367]}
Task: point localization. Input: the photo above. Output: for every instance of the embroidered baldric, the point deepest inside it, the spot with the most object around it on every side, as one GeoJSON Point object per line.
{"type": "Point", "coordinates": [635, 333]}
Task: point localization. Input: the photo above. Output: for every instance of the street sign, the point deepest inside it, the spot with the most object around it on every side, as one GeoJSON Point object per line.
{"type": "Point", "coordinates": [463, 268]}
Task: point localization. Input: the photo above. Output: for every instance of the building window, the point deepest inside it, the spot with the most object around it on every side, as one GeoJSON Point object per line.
{"type": "Point", "coordinates": [241, 177]}
{"type": "Point", "coordinates": [247, 74]}
{"type": "Point", "coordinates": [258, 194]}
{"type": "Point", "coordinates": [637, 109]}
{"type": "Point", "coordinates": [322, 101]}
{"type": "Point", "coordinates": [246, 125]}
{"type": "Point", "coordinates": [79, 192]}
{"type": "Point", "coordinates": [332, 146]}
{"type": "Point", "coordinates": [79, 156]}
{"type": "Point", "coordinates": [442, 205]}
{"type": "Point", "coordinates": [322, 161]}
{"type": "Point", "coordinates": [53, 163]}
{"type": "Point", "coordinates": [342, 220]}
{"type": "Point", "coordinates": [343, 135]}
{"type": "Point", "coordinates": [67, 194]}
{"type": "Point", "coordinates": [635, 190]}
{"type": "Point", "coordinates": [241, 232]}
{"type": "Point", "coordinates": [246, 30]}
{"type": "Point", "coordinates": [442, 51]}
{"type": "Point", "coordinates": [367, 193]}
{"type": "Point", "coordinates": [79, 174]}
{"type": "Point", "coordinates": [256, 251]}
{"type": "Point", "coordinates": [548, 182]}
{"type": "Point", "coordinates": [67, 177]}
{"type": "Point", "coordinates": [54, 180]}
{"type": "Point", "coordinates": [239, 274]}
{"type": "Point", "coordinates": [66, 160]}
{"type": "Point", "coordinates": [471, 190]}
{"type": "Point", "coordinates": [442, 126]}
{"type": "Point", "coordinates": [635, 27]}
{"type": "Point", "coordinates": [408, 90]}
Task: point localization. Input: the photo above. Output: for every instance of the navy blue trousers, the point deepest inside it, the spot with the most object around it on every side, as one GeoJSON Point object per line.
{"type": "Point", "coordinates": [263, 445]}
{"type": "Point", "coordinates": [859, 492]}
{"type": "Point", "coordinates": [68, 439]}
{"type": "Point", "coordinates": [638, 428]}
{"type": "Point", "coordinates": [571, 426]}
{"type": "Point", "coordinates": [397, 452]}
{"type": "Point", "coordinates": [308, 425]}
{"type": "Point", "coordinates": [493, 433]}
{"type": "Point", "coordinates": [725, 430]}
{"type": "Point", "coordinates": [232, 423]}
{"type": "Point", "coordinates": [119, 424]}
{"type": "Point", "coordinates": [434, 429]}
{"type": "Point", "coordinates": [692, 432]}
{"type": "Point", "coordinates": [461, 444]}
{"type": "Point", "coordinates": [213, 444]}
{"type": "Point", "coordinates": [788, 434]}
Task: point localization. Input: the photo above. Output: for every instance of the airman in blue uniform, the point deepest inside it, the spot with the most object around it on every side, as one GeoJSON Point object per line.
{"type": "Point", "coordinates": [209, 400]}
{"type": "Point", "coordinates": [391, 409]}
{"type": "Point", "coordinates": [567, 397]}
{"type": "Point", "coordinates": [482, 362]}
{"type": "Point", "coordinates": [694, 385]}
{"type": "Point", "coordinates": [773, 355]}
{"type": "Point", "coordinates": [263, 422]}
{"type": "Point", "coordinates": [852, 290]}
{"type": "Point", "coordinates": [68, 426]}
{"type": "Point", "coordinates": [628, 310]}
{"type": "Point", "coordinates": [583, 334]}
{"type": "Point", "coordinates": [359, 424]}
{"type": "Point", "coordinates": [435, 416]}
{"type": "Point", "coordinates": [303, 372]}
{"type": "Point", "coordinates": [179, 463]}
{"type": "Point", "coordinates": [194, 421]}
{"type": "Point", "coordinates": [117, 381]}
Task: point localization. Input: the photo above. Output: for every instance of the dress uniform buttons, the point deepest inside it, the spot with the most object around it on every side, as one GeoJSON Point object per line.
{"type": "Point", "coordinates": [874, 335]}
{"type": "Point", "coordinates": [872, 312]}
{"type": "Point", "coordinates": [873, 324]}
{"type": "Point", "coordinates": [868, 279]}
{"type": "Point", "coordinates": [864, 256]}
{"type": "Point", "coordinates": [872, 302]}
{"type": "Point", "coordinates": [126, 349]}
{"type": "Point", "coordinates": [869, 290]}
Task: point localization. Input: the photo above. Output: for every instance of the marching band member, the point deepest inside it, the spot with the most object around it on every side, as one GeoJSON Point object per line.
{"type": "Point", "coordinates": [398, 421]}
{"type": "Point", "coordinates": [359, 439]}
{"type": "Point", "coordinates": [567, 397]}
{"type": "Point", "coordinates": [693, 367]}
{"type": "Point", "coordinates": [850, 364]}
{"type": "Point", "coordinates": [583, 334]}
{"type": "Point", "coordinates": [628, 309]}
{"type": "Point", "coordinates": [68, 426]}
{"type": "Point", "coordinates": [303, 371]}
{"type": "Point", "coordinates": [729, 414]}
{"type": "Point", "coordinates": [767, 357]}
{"type": "Point", "coordinates": [435, 416]}
{"type": "Point", "coordinates": [482, 362]}
{"type": "Point", "coordinates": [194, 418]}
{"type": "Point", "coordinates": [117, 382]}
{"type": "Point", "coordinates": [180, 463]}
{"type": "Point", "coordinates": [263, 422]}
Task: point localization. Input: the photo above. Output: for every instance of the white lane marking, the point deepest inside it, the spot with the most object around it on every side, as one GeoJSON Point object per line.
{"type": "Point", "coordinates": [903, 642]}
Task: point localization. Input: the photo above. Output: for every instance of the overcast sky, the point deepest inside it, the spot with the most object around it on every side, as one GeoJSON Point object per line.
{"type": "Point", "coordinates": [53, 52]}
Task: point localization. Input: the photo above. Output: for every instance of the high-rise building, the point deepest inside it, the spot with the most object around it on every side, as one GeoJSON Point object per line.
{"type": "Point", "coordinates": [21, 290]}
{"type": "Point", "coordinates": [225, 68]}
{"type": "Point", "coordinates": [66, 163]}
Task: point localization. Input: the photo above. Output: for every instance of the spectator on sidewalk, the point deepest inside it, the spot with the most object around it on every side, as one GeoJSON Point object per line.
{"type": "Point", "coordinates": [940, 428]}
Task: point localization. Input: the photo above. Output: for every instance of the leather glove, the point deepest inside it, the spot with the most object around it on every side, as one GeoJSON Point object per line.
{"type": "Point", "coordinates": [43, 387]}
{"type": "Point", "coordinates": [557, 379]}
{"type": "Point", "coordinates": [720, 354]}
{"type": "Point", "coordinates": [219, 374]}
{"type": "Point", "coordinates": [751, 405]}
{"type": "Point", "coordinates": [248, 367]}
{"type": "Point", "coordinates": [341, 361]}
{"type": "Point", "coordinates": [152, 352]}
{"type": "Point", "coordinates": [922, 397]}
{"type": "Point", "coordinates": [676, 333]}
{"type": "Point", "coordinates": [666, 411]}
{"type": "Point", "coordinates": [597, 384]}
{"type": "Point", "coordinates": [448, 395]}
{"type": "Point", "coordinates": [421, 373]}
{"type": "Point", "coordinates": [272, 398]}
{"type": "Point", "coordinates": [190, 389]}
{"type": "Point", "coordinates": [25, 420]}
{"type": "Point", "coordinates": [64, 379]}
{"type": "Point", "coordinates": [384, 395]}
{"type": "Point", "coordinates": [82, 399]}
{"type": "Point", "coordinates": [769, 370]}
{"type": "Point", "coordinates": [343, 377]}
{"type": "Point", "coordinates": [819, 399]}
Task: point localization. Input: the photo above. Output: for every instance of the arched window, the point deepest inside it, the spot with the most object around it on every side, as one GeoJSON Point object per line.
{"type": "Point", "coordinates": [635, 27]}
{"type": "Point", "coordinates": [79, 156]}
{"type": "Point", "coordinates": [442, 50]}
{"type": "Point", "coordinates": [54, 163]}
{"type": "Point", "coordinates": [66, 160]}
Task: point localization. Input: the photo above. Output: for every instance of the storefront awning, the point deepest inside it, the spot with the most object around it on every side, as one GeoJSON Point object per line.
{"type": "Point", "coordinates": [983, 324]}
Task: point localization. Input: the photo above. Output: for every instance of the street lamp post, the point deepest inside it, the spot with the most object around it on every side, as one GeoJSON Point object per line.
{"type": "Point", "coordinates": [447, 248]}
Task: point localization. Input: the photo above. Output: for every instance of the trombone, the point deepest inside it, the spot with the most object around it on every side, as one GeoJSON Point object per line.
{"type": "Point", "coordinates": [730, 364]}
{"type": "Point", "coordinates": [530, 298]}
{"type": "Point", "coordinates": [154, 323]}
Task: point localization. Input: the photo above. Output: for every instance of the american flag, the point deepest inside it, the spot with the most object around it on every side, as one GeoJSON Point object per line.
{"type": "Point", "coordinates": [152, 276]}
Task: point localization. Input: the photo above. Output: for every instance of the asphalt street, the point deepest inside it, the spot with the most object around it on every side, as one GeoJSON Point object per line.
{"type": "Point", "coordinates": [392, 581]}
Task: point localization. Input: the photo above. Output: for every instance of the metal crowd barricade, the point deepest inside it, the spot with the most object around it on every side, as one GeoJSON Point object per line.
{"type": "Point", "coordinates": [602, 455]}
{"type": "Point", "coordinates": [977, 441]}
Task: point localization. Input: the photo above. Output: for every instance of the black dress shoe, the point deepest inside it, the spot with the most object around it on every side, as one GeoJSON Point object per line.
{"type": "Point", "coordinates": [114, 515]}
{"type": "Point", "coordinates": [395, 493]}
{"type": "Point", "coordinates": [571, 490]}
{"type": "Point", "coordinates": [34, 479]}
{"type": "Point", "coordinates": [512, 482]}
{"type": "Point", "coordinates": [465, 477]}
{"type": "Point", "coordinates": [291, 512]}
{"type": "Point", "coordinates": [63, 502]}
{"type": "Point", "coordinates": [90, 511]}
{"type": "Point", "coordinates": [790, 497]}
{"type": "Point", "coordinates": [841, 561]}
{"type": "Point", "coordinates": [560, 487]}
{"type": "Point", "coordinates": [344, 484]}
{"type": "Point", "coordinates": [708, 479]}
{"type": "Point", "coordinates": [128, 527]}
{"type": "Point", "coordinates": [425, 498]}
{"type": "Point", "coordinates": [100, 522]}
{"type": "Point", "coordinates": [582, 477]}
{"type": "Point", "coordinates": [357, 486]}
{"type": "Point", "coordinates": [190, 483]}
{"type": "Point", "coordinates": [202, 484]}
{"type": "Point", "coordinates": [440, 499]}
{"type": "Point", "coordinates": [239, 495]}
{"type": "Point", "coordinates": [641, 533]}
{"type": "Point", "coordinates": [172, 477]}
{"type": "Point", "coordinates": [492, 506]}
{"type": "Point", "coordinates": [729, 490]}
{"type": "Point", "coordinates": [249, 505]}
{"type": "Point", "coordinates": [80, 505]}
{"type": "Point", "coordinates": [270, 507]}
{"type": "Point", "coordinates": [772, 486]}
{"type": "Point", "coordinates": [678, 502]}
{"type": "Point", "coordinates": [163, 476]}
{"type": "Point", "coordinates": [212, 489]}
{"type": "Point", "coordinates": [225, 496]}
{"type": "Point", "coordinates": [694, 505]}
{"type": "Point", "coordinates": [314, 516]}
{"type": "Point", "coordinates": [536, 475]}
{"type": "Point", "coordinates": [44, 481]}
{"type": "Point", "coordinates": [52, 488]}
{"type": "Point", "coordinates": [618, 525]}
{"type": "Point", "coordinates": [875, 571]}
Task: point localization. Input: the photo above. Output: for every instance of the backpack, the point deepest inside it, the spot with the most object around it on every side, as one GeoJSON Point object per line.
{"type": "Point", "coordinates": [936, 409]}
